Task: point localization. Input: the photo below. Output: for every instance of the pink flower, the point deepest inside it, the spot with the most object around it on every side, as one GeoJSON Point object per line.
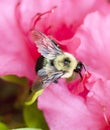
{"type": "Point", "coordinates": [18, 54]}
{"type": "Point", "coordinates": [93, 111]}
{"type": "Point", "coordinates": [70, 111]}
{"type": "Point", "coordinates": [96, 36]}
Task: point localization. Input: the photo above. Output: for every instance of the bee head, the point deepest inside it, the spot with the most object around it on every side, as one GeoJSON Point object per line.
{"type": "Point", "coordinates": [67, 63]}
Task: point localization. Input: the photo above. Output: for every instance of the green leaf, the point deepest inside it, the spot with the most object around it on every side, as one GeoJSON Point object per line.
{"type": "Point", "coordinates": [33, 97]}
{"type": "Point", "coordinates": [27, 129]}
{"type": "Point", "coordinates": [23, 87]}
{"type": "Point", "coordinates": [14, 79]}
{"type": "Point", "coordinates": [34, 118]}
{"type": "Point", "coordinates": [3, 126]}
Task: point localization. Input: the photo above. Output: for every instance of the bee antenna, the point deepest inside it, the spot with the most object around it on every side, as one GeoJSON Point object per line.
{"type": "Point", "coordinates": [80, 75]}
{"type": "Point", "coordinates": [84, 67]}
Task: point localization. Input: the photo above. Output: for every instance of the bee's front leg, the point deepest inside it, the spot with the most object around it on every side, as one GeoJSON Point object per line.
{"type": "Point", "coordinates": [56, 81]}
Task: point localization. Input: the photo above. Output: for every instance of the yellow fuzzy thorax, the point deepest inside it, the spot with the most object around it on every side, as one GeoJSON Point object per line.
{"type": "Point", "coordinates": [69, 68]}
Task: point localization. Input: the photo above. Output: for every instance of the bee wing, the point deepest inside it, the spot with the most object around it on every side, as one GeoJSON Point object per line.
{"type": "Point", "coordinates": [47, 47]}
{"type": "Point", "coordinates": [46, 77]}
{"type": "Point", "coordinates": [37, 85]}
{"type": "Point", "coordinates": [50, 77]}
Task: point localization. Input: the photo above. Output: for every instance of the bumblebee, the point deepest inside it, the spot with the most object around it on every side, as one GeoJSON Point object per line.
{"type": "Point", "coordinates": [53, 63]}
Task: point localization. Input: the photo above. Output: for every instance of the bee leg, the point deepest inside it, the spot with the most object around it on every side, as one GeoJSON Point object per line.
{"type": "Point", "coordinates": [56, 81]}
{"type": "Point", "coordinates": [80, 75]}
{"type": "Point", "coordinates": [78, 71]}
{"type": "Point", "coordinates": [30, 91]}
{"type": "Point", "coordinates": [84, 67]}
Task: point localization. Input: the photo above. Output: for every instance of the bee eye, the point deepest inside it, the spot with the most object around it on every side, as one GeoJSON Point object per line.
{"type": "Point", "coordinates": [66, 61]}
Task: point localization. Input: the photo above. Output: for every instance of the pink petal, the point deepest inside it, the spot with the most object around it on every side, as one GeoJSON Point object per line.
{"type": "Point", "coordinates": [100, 92]}
{"type": "Point", "coordinates": [64, 111]}
{"type": "Point", "coordinates": [15, 53]}
{"type": "Point", "coordinates": [70, 45]}
{"type": "Point", "coordinates": [103, 6]}
{"type": "Point", "coordinates": [94, 48]}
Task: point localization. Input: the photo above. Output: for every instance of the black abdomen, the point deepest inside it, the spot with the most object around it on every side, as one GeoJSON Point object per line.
{"type": "Point", "coordinates": [39, 63]}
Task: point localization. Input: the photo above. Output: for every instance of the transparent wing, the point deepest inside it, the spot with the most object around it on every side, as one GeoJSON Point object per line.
{"type": "Point", "coordinates": [49, 76]}
{"type": "Point", "coordinates": [40, 84]}
{"type": "Point", "coordinates": [46, 77]}
{"type": "Point", "coordinates": [47, 47]}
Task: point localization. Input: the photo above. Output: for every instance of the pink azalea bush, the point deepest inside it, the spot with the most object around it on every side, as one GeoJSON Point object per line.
{"type": "Point", "coordinates": [82, 27]}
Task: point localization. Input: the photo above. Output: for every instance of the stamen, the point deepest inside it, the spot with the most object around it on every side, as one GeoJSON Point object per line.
{"type": "Point", "coordinates": [18, 16]}
{"type": "Point", "coordinates": [105, 116]}
{"type": "Point", "coordinates": [38, 16]}
{"type": "Point", "coordinates": [35, 18]}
